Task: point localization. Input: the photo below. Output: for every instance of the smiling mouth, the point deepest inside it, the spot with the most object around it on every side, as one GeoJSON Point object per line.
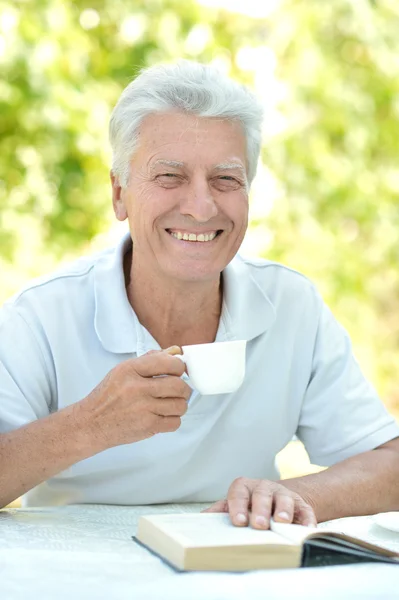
{"type": "Point", "coordinates": [187, 236]}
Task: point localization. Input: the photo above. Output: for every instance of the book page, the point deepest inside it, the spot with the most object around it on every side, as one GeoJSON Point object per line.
{"type": "Point", "coordinates": [365, 529]}
{"type": "Point", "coordinates": [360, 530]}
{"type": "Point", "coordinates": [295, 533]}
{"type": "Point", "coordinates": [213, 529]}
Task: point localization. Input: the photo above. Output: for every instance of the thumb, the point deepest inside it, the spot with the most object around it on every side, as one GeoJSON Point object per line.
{"type": "Point", "coordinates": [173, 350]}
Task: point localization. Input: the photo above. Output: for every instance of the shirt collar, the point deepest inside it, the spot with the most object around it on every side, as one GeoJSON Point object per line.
{"type": "Point", "coordinates": [246, 313]}
{"type": "Point", "coordinates": [114, 319]}
{"type": "Point", "coordinates": [247, 310]}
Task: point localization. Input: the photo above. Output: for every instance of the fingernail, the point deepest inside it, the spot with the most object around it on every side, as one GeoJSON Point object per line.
{"type": "Point", "coordinates": [261, 521]}
{"type": "Point", "coordinates": [241, 519]}
{"type": "Point", "coordinates": [310, 524]}
{"type": "Point", "coordinates": [173, 350]}
{"type": "Point", "coordinates": [283, 515]}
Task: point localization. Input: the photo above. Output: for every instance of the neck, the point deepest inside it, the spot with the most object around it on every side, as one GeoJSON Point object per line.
{"type": "Point", "coordinates": [174, 312]}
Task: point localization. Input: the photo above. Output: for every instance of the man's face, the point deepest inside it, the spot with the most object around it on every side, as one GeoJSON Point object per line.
{"type": "Point", "coordinates": [187, 199]}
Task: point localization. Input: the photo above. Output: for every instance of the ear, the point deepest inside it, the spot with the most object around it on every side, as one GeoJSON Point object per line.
{"type": "Point", "coordinates": [117, 200]}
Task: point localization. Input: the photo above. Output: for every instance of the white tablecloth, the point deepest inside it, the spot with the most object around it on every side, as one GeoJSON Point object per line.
{"type": "Point", "coordinates": [87, 552]}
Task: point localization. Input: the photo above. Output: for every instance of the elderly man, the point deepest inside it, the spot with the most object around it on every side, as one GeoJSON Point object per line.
{"type": "Point", "coordinates": [84, 416]}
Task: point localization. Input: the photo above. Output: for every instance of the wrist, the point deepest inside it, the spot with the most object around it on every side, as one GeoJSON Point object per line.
{"type": "Point", "coordinates": [81, 431]}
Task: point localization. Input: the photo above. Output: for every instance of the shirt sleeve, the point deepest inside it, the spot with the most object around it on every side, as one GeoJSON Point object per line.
{"type": "Point", "coordinates": [25, 382]}
{"type": "Point", "coordinates": [341, 414]}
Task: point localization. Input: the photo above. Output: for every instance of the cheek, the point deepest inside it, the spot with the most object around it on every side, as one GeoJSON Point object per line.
{"type": "Point", "coordinates": [140, 208]}
{"type": "Point", "coordinates": [239, 217]}
{"type": "Point", "coordinates": [237, 210]}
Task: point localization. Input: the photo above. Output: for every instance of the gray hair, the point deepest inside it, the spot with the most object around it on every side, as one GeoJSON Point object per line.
{"type": "Point", "coordinates": [189, 87]}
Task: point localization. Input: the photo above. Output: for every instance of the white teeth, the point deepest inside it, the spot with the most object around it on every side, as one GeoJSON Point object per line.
{"type": "Point", "coordinates": [192, 237]}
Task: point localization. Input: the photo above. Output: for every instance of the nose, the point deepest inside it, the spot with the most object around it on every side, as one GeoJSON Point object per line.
{"type": "Point", "coordinates": [198, 201]}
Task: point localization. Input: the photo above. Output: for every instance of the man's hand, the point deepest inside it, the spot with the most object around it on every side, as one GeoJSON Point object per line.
{"type": "Point", "coordinates": [130, 404]}
{"type": "Point", "coordinates": [136, 400]}
{"type": "Point", "coordinates": [255, 501]}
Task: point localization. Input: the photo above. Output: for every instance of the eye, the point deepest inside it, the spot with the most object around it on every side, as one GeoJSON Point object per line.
{"type": "Point", "coordinates": [168, 175]}
{"type": "Point", "coordinates": [227, 182]}
{"type": "Point", "coordinates": [169, 180]}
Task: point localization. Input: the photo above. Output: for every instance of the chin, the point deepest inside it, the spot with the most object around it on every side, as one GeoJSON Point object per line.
{"type": "Point", "coordinates": [194, 273]}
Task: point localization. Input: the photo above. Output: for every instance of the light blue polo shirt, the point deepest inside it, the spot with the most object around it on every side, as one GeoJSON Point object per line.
{"type": "Point", "coordinates": [63, 334]}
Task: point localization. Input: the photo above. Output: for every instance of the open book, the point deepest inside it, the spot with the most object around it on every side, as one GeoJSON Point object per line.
{"type": "Point", "coordinates": [210, 542]}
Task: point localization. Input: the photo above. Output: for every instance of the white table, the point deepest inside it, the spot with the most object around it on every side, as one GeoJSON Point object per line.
{"type": "Point", "coordinates": [76, 552]}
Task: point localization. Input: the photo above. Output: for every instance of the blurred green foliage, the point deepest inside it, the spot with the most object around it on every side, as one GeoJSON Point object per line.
{"type": "Point", "coordinates": [336, 162]}
{"type": "Point", "coordinates": [328, 74]}
{"type": "Point", "coordinates": [63, 66]}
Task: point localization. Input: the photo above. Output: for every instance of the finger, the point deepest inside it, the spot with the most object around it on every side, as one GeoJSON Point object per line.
{"type": "Point", "coordinates": [284, 507]}
{"type": "Point", "coordinates": [168, 424]}
{"type": "Point", "coordinates": [173, 350]}
{"type": "Point", "coordinates": [176, 407]}
{"type": "Point", "coordinates": [238, 499]}
{"type": "Point", "coordinates": [158, 363]}
{"type": "Point", "coordinates": [170, 387]}
{"type": "Point", "coordinates": [221, 506]}
{"type": "Point", "coordinates": [304, 514]}
{"type": "Point", "coordinates": [262, 504]}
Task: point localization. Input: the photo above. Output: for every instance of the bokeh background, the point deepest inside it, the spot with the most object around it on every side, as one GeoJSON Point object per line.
{"type": "Point", "coordinates": [326, 198]}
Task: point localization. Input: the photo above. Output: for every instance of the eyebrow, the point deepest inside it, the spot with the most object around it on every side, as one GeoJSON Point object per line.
{"type": "Point", "coordinates": [221, 166]}
{"type": "Point", "coordinates": [230, 166]}
{"type": "Point", "coordinates": [168, 163]}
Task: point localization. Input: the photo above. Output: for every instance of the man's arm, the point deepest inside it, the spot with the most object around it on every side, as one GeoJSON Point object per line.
{"type": "Point", "coordinates": [361, 485]}
{"type": "Point", "coordinates": [129, 405]}
{"type": "Point", "coordinates": [340, 411]}
{"type": "Point", "coordinates": [34, 453]}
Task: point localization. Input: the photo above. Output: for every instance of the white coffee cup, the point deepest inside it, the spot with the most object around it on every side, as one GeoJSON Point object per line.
{"type": "Point", "coordinates": [216, 368]}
